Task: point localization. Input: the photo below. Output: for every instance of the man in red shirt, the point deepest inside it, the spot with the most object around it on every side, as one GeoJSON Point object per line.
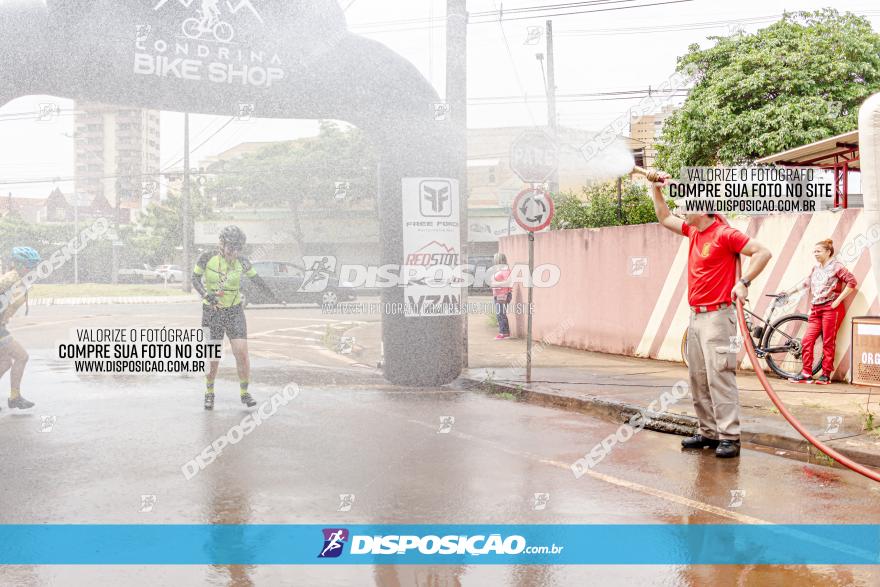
{"type": "Point", "coordinates": [712, 291]}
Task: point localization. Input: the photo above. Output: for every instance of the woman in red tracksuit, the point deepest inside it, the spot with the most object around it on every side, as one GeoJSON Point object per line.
{"type": "Point", "coordinates": [501, 293]}
{"type": "Point", "coordinates": [829, 283]}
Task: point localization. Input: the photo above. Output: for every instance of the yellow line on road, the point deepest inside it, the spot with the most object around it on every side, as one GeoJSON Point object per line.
{"type": "Point", "coordinates": [679, 499]}
{"type": "Point", "coordinates": [638, 487]}
{"type": "Point", "coordinates": [44, 324]}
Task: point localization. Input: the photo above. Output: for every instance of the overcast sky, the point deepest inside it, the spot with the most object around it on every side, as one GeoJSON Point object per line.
{"type": "Point", "coordinates": [599, 52]}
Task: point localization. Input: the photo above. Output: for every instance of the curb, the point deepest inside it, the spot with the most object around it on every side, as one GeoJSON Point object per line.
{"type": "Point", "coordinates": [112, 300]}
{"type": "Point", "coordinates": [667, 422]}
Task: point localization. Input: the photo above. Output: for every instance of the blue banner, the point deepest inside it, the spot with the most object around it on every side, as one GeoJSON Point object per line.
{"type": "Point", "coordinates": [264, 544]}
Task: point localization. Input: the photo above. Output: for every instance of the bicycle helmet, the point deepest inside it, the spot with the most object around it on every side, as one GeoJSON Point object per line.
{"type": "Point", "coordinates": [26, 256]}
{"type": "Point", "coordinates": [233, 235]}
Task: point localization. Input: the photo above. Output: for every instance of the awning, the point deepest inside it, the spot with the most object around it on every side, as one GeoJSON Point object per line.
{"type": "Point", "coordinates": [840, 154]}
{"type": "Point", "coordinates": [824, 153]}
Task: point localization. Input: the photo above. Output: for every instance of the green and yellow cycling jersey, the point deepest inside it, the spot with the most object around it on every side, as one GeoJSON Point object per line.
{"type": "Point", "coordinates": [222, 278]}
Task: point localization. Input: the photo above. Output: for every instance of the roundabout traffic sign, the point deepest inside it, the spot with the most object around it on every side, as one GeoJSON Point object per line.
{"type": "Point", "coordinates": [533, 209]}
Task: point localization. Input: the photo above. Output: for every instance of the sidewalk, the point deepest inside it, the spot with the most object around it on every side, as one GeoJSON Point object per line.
{"type": "Point", "coordinates": [616, 387]}
{"type": "Point", "coordinates": [99, 300]}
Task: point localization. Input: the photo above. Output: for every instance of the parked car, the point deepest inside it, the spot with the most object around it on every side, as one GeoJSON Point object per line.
{"type": "Point", "coordinates": [142, 274]}
{"type": "Point", "coordinates": [170, 273]}
{"type": "Point", "coordinates": [479, 262]}
{"type": "Point", "coordinates": [291, 283]}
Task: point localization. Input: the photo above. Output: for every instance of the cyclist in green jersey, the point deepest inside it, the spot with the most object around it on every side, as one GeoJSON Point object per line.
{"type": "Point", "coordinates": [217, 277]}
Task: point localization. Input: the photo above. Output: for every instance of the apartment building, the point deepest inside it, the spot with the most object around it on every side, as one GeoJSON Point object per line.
{"type": "Point", "coordinates": [116, 154]}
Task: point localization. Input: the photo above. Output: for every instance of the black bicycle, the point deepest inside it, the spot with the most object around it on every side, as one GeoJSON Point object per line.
{"type": "Point", "coordinates": [779, 343]}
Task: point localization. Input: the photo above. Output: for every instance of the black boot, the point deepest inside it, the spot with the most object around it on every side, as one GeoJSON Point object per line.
{"type": "Point", "coordinates": [699, 441]}
{"type": "Point", "coordinates": [727, 449]}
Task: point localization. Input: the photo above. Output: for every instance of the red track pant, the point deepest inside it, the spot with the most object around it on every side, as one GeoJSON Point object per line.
{"type": "Point", "coordinates": [823, 320]}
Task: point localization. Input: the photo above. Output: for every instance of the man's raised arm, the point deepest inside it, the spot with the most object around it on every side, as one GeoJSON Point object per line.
{"type": "Point", "coordinates": [658, 178]}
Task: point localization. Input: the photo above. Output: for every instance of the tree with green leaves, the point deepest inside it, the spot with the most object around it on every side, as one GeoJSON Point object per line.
{"type": "Point", "coordinates": [49, 238]}
{"type": "Point", "coordinates": [797, 81]}
{"type": "Point", "coordinates": [159, 229]}
{"type": "Point", "coordinates": [596, 206]}
{"type": "Point", "coordinates": [298, 173]}
{"type": "Point", "coordinates": [301, 175]}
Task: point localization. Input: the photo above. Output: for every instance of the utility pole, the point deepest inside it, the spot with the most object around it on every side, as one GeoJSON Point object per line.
{"type": "Point", "coordinates": [185, 220]}
{"type": "Point", "coordinates": [76, 235]}
{"type": "Point", "coordinates": [456, 99]}
{"type": "Point", "coordinates": [551, 101]}
{"type": "Point", "coordinates": [620, 200]}
{"type": "Point", "coordinates": [114, 248]}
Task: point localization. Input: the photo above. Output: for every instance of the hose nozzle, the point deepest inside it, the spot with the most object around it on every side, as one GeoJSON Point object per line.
{"type": "Point", "coordinates": [650, 174]}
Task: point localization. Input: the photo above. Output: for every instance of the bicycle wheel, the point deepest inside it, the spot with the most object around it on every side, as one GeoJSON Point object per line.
{"type": "Point", "coordinates": [192, 28]}
{"type": "Point", "coordinates": [782, 342]}
{"type": "Point", "coordinates": [684, 347]}
{"type": "Point", "coordinates": [223, 32]}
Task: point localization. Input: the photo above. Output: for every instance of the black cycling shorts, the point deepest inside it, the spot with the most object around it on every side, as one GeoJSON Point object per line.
{"type": "Point", "coordinates": [5, 337]}
{"type": "Point", "coordinates": [229, 321]}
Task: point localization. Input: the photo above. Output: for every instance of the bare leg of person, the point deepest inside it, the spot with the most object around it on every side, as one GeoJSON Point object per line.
{"type": "Point", "coordinates": [19, 357]}
{"type": "Point", "coordinates": [5, 365]}
{"type": "Point", "coordinates": [243, 365]}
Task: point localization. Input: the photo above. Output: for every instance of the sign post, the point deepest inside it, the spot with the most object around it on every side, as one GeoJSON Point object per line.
{"type": "Point", "coordinates": [533, 210]}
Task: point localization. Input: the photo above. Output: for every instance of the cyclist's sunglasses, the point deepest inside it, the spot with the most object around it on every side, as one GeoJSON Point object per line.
{"type": "Point", "coordinates": [233, 247]}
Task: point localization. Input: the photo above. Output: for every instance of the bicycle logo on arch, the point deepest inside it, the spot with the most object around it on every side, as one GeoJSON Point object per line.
{"type": "Point", "coordinates": [208, 22]}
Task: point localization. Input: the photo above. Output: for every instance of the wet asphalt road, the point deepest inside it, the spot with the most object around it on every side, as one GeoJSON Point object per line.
{"type": "Point", "coordinates": [116, 439]}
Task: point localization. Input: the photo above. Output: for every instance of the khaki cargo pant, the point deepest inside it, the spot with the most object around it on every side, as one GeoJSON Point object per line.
{"type": "Point", "coordinates": [711, 353]}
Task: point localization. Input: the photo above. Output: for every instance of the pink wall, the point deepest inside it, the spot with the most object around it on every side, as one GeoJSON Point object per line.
{"type": "Point", "coordinates": [615, 311]}
{"type": "Point", "coordinates": [610, 307]}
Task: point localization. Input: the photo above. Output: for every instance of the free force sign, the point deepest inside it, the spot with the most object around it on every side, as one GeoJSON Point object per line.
{"type": "Point", "coordinates": [431, 246]}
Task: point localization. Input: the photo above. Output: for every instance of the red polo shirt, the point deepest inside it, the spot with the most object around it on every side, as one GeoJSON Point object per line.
{"type": "Point", "coordinates": [712, 262]}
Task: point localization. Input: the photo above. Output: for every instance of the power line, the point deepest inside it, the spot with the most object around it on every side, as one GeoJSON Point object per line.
{"type": "Point", "coordinates": [178, 153]}
{"type": "Point", "coordinates": [538, 99]}
{"type": "Point", "coordinates": [591, 94]}
{"type": "Point", "coordinates": [683, 26]}
{"type": "Point", "coordinates": [515, 71]}
{"type": "Point", "coordinates": [680, 26]}
{"type": "Point", "coordinates": [498, 15]}
{"type": "Point", "coordinates": [666, 28]}
{"type": "Point", "coordinates": [200, 145]}
{"type": "Point", "coordinates": [32, 113]}
{"type": "Point", "coordinates": [35, 117]}
{"type": "Point", "coordinates": [582, 97]}
{"type": "Point", "coordinates": [488, 13]}
{"type": "Point", "coordinates": [556, 14]}
{"type": "Point", "coordinates": [542, 7]}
